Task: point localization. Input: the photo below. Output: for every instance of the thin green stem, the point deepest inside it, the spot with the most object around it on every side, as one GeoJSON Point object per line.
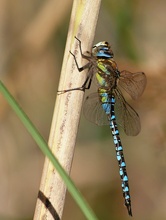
{"type": "Point", "coordinates": [45, 149]}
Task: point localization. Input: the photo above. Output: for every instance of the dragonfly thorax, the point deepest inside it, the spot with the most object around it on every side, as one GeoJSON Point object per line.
{"type": "Point", "coordinates": [102, 50]}
{"type": "Point", "coordinates": [107, 73]}
{"type": "Point", "coordinates": [106, 81]}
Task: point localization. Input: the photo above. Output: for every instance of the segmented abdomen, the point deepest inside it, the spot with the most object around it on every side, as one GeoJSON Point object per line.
{"type": "Point", "coordinates": [108, 102]}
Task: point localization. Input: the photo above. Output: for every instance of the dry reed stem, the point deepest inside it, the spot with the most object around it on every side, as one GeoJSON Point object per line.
{"type": "Point", "coordinates": [67, 108]}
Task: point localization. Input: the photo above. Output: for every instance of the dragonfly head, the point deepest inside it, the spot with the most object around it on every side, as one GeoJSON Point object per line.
{"type": "Point", "coordinates": [102, 50]}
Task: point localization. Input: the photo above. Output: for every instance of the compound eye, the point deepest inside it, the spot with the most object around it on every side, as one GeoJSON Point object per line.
{"type": "Point", "coordinates": [101, 51]}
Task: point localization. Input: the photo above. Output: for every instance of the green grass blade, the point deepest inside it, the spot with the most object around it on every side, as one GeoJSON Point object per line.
{"type": "Point", "coordinates": [45, 149]}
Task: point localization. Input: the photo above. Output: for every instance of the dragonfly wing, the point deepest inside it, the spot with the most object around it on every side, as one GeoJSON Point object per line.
{"type": "Point", "coordinates": [126, 116]}
{"type": "Point", "coordinates": [133, 83]}
{"type": "Point", "coordinates": [93, 110]}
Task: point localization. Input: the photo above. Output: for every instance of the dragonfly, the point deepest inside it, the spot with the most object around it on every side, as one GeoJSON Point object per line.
{"type": "Point", "coordinates": [108, 106]}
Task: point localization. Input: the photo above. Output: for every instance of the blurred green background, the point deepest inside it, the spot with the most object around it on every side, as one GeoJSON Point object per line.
{"type": "Point", "coordinates": [32, 42]}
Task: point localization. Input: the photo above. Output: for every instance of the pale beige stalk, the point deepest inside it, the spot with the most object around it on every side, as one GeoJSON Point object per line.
{"type": "Point", "coordinates": [68, 107]}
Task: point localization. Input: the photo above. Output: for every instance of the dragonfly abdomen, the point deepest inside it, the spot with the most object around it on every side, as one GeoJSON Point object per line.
{"type": "Point", "coordinates": [120, 156]}
{"type": "Point", "coordinates": [108, 103]}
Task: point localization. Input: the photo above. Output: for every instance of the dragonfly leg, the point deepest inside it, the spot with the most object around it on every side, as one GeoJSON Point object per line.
{"type": "Point", "coordinates": [80, 69]}
{"type": "Point", "coordinates": [82, 88]}
{"type": "Point", "coordinates": [88, 81]}
{"type": "Point", "coordinates": [83, 55]}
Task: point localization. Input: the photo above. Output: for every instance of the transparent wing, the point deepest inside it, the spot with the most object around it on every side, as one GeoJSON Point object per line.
{"type": "Point", "coordinates": [93, 110]}
{"type": "Point", "coordinates": [133, 83]}
{"type": "Point", "coordinates": [126, 116]}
